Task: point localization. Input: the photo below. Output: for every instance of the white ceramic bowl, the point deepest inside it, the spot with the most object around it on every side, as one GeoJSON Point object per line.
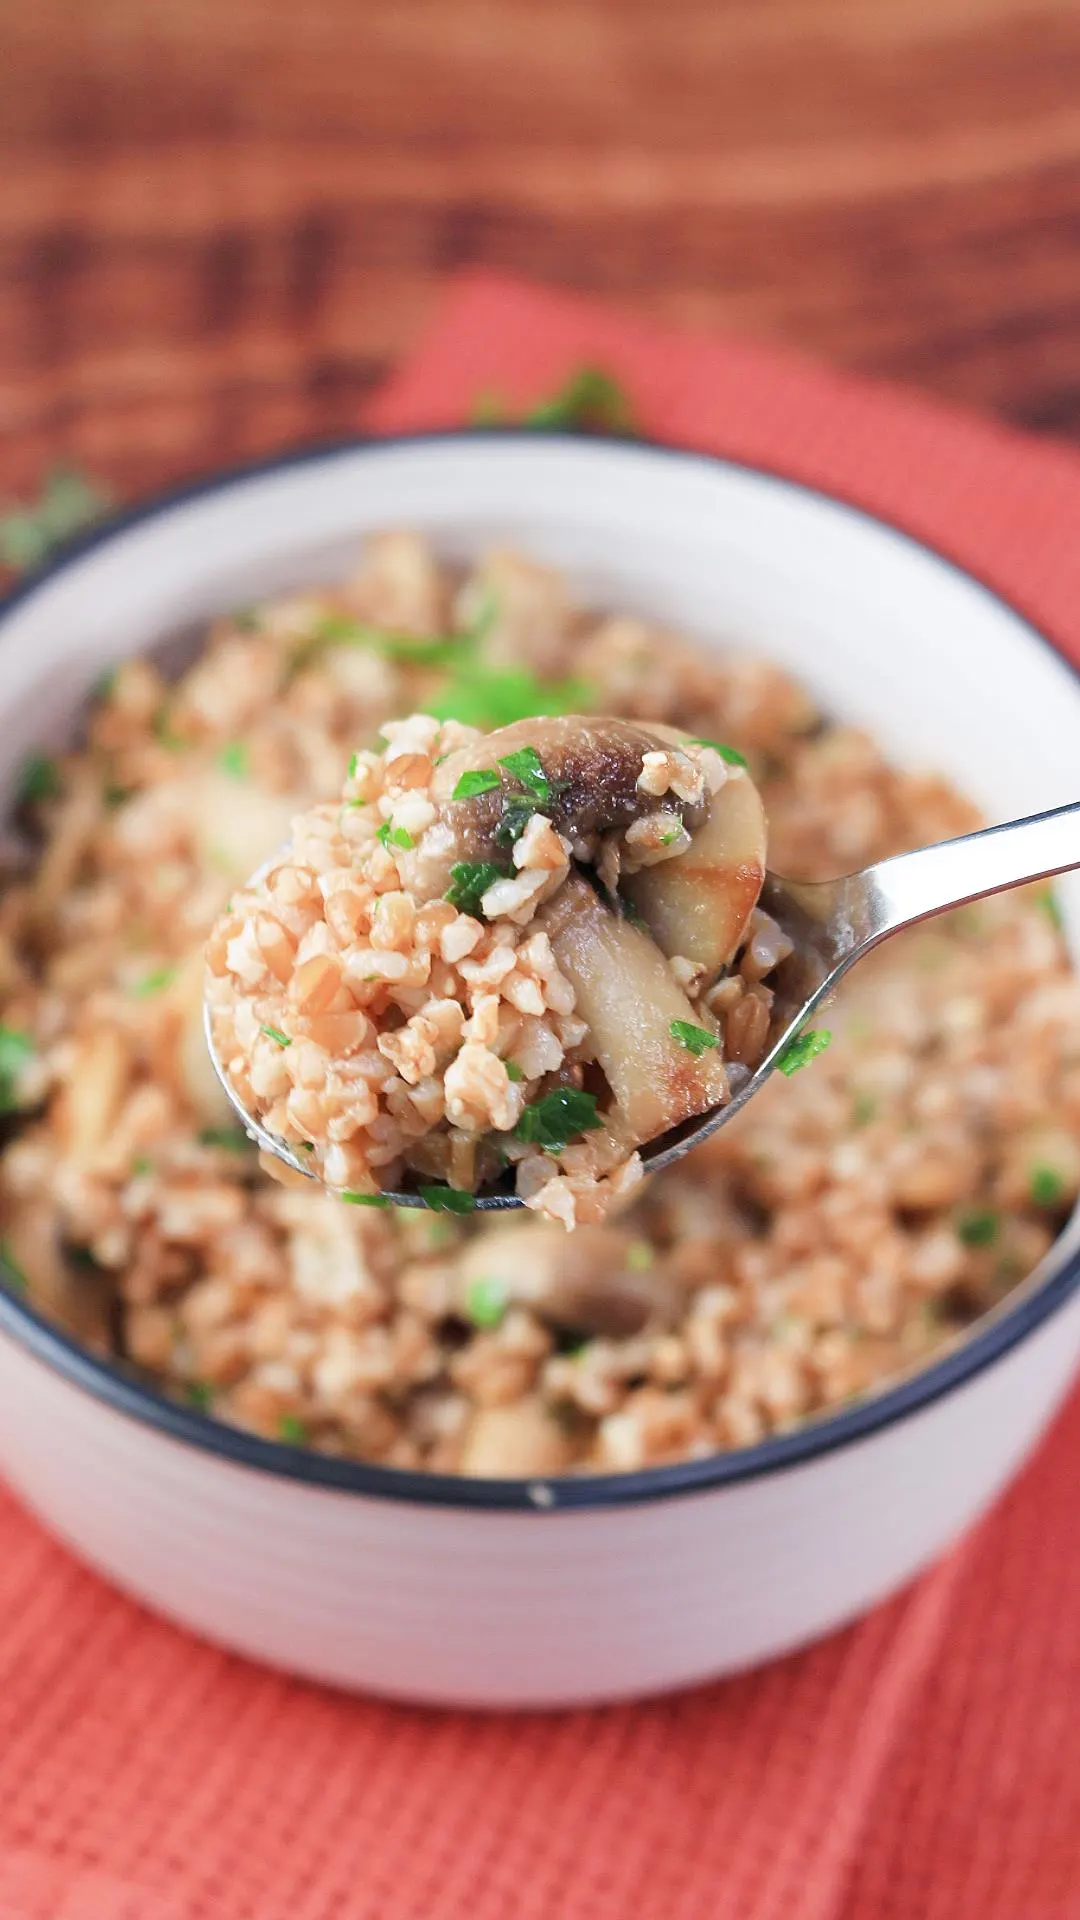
{"type": "Point", "coordinates": [503, 1592]}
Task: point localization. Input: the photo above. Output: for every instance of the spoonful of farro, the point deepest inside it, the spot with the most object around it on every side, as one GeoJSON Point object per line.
{"type": "Point", "coordinates": [527, 967]}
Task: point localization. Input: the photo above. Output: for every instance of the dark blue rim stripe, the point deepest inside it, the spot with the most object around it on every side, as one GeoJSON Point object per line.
{"type": "Point", "coordinates": [821, 1436]}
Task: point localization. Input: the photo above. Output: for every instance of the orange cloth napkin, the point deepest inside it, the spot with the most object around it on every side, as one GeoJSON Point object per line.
{"type": "Point", "coordinates": [924, 1765]}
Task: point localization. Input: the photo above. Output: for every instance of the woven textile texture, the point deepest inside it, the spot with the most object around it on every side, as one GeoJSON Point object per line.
{"type": "Point", "coordinates": [924, 1765]}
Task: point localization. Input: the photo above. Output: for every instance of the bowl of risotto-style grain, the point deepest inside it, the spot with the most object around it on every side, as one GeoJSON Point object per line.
{"type": "Point", "coordinates": [460, 1456]}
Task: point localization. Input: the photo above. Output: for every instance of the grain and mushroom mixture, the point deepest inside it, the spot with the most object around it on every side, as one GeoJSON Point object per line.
{"type": "Point", "coordinates": [425, 983]}
{"type": "Point", "coordinates": [859, 1214]}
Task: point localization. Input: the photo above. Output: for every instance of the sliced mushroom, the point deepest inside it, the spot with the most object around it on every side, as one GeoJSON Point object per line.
{"type": "Point", "coordinates": [699, 904]}
{"type": "Point", "coordinates": [630, 999]}
{"type": "Point", "coordinates": [591, 765]}
{"type": "Point", "coordinates": [586, 1281]}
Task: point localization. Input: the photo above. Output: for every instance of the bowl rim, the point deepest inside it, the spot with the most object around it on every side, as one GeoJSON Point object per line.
{"type": "Point", "coordinates": [1003, 1329]}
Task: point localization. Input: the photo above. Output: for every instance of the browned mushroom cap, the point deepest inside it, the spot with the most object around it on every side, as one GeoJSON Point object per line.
{"type": "Point", "coordinates": [630, 1000]}
{"type": "Point", "coordinates": [590, 767]}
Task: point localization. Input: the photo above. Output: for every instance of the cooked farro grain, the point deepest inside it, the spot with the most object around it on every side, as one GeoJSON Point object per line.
{"type": "Point", "coordinates": [856, 1218]}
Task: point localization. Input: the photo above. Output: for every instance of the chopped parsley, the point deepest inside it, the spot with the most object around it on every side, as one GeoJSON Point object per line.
{"type": "Point", "coordinates": [200, 1394]}
{"type": "Point", "coordinates": [234, 759]}
{"type": "Point", "coordinates": [155, 982]}
{"type": "Point", "coordinates": [513, 1071]}
{"type": "Point", "coordinates": [804, 1048]}
{"type": "Point", "coordinates": [229, 1139]}
{"type": "Point", "coordinates": [275, 1034]}
{"type": "Point", "coordinates": [115, 796]}
{"type": "Point", "coordinates": [390, 836]}
{"type": "Point", "coordinates": [353, 1198]}
{"type": "Point", "coordinates": [411, 650]}
{"type": "Point", "coordinates": [978, 1227]}
{"type": "Point", "coordinates": [293, 1431]}
{"type": "Point", "coordinates": [354, 765]}
{"type": "Point", "coordinates": [16, 1278]}
{"type": "Point", "coordinates": [39, 780]}
{"type": "Point", "coordinates": [1046, 1187]}
{"type": "Point", "coordinates": [517, 811]}
{"type": "Point", "coordinates": [488, 697]}
{"type": "Point", "coordinates": [589, 399]}
{"type": "Point", "coordinates": [731, 754]}
{"type": "Point", "coordinates": [142, 1166]}
{"type": "Point", "coordinates": [165, 734]}
{"type": "Point", "coordinates": [557, 1117]}
{"type": "Point", "coordinates": [1047, 902]}
{"type": "Point", "coordinates": [68, 501]}
{"type": "Point", "coordinates": [639, 1256]}
{"type": "Point", "coordinates": [447, 1199]}
{"type": "Point", "coordinates": [16, 1052]}
{"type": "Point", "coordinates": [669, 839]}
{"type": "Point", "coordinates": [481, 780]}
{"type": "Point", "coordinates": [696, 1040]}
{"type": "Point", "coordinates": [469, 881]}
{"type": "Point", "coordinates": [527, 767]}
{"type": "Point", "coordinates": [486, 1301]}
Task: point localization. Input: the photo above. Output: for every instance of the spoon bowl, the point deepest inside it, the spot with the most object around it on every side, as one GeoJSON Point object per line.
{"type": "Point", "coordinates": [831, 924]}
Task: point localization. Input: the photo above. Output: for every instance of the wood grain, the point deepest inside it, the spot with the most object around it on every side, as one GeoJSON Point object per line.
{"type": "Point", "coordinates": [221, 221]}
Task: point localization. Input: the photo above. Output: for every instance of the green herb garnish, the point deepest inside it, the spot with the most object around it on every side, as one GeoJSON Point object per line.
{"type": "Point", "coordinates": [557, 1117]}
{"type": "Point", "coordinates": [486, 1301]}
{"type": "Point", "coordinates": [16, 1052]}
{"type": "Point", "coordinates": [447, 1199]}
{"type": "Point", "coordinates": [115, 796]}
{"type": "Point", "coordinates": [589, 399]}
{"type": "Point", "coordinates": [527, 767]}
{"type": "Point", "coordinates": [155, 982]}
{"type": "Point", "coordinates": [16, 1278]}
{"type": "Point", "coordinates": [67, 503]}
{"type": "Point", "coordinates": [390, 836]}
{"type": "Point", "coordinates": [164, 733]}
{"type": "Point", "coordinates": [517, 811]}
{"type": "Point", "coordinates": [696, 1040]}
{"type": "Point", "coordinates": [489, 697]}
{"type": "Point", "coordinates": [39, 780]}
{"type": "Point", "coordinates": [1046, 1187]}
{"type": "Point", "coordinates": [513, 1071]}
{"type": "Point", "coordinates": [640, 1256]}
{"type": "Point", "coordinates": [482, 780]}
{"type": "Point", "coordinates": [1047, 902]}
{"type": "Point", "coordinates": [804, 1048]}
{"type": "Point", "coordinates": [977, 1227]}
{"type": "Point", "coordinates": [142, 1166]}
{"type": "Point", "coordinates": [354, 765]}
{"type": "Point", "coordinates": [469, 881]}
{"type": "Point", "coordinates": [275, 1034]}
{"type": "Point", "coordinates": [420, 650]}
{"type": "Point", "coordinates": [229, 1139]}
{"type": "Point", "coordinates": [352, 1198]}
{"type": "Point", "coordinates": [200, 1394]}
{"type": "Point", "coordinates": [292, 1431]}
{"type": "Point", "coordinates": [731, 754]}
{"type": "Point", "coordinates": [234, 759]}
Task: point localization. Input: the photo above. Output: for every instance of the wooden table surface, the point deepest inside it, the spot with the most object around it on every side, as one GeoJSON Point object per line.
{"type": "Point", "coordinates": [222, 220]}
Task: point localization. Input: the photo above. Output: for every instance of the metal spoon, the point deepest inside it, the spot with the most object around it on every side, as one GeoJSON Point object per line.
{"type": "Point", "coordinates": [832, 924]}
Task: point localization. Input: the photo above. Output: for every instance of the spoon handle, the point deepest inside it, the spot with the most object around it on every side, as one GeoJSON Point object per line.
{"type": "Point", "coordinates": [912, 886]}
